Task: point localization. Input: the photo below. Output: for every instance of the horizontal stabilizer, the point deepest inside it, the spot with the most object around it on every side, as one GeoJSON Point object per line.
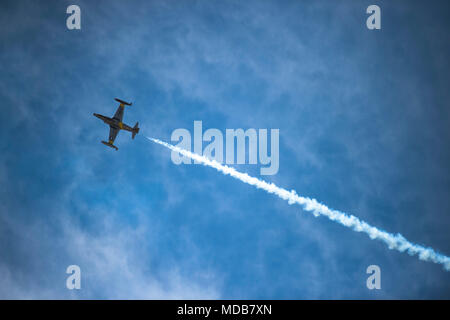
{"type": "Point", "coordinates": [135, 130]}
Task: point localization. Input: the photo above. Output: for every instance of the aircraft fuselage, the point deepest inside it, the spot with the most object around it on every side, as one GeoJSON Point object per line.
{"type": "Point", "coordinates": [114, 123]}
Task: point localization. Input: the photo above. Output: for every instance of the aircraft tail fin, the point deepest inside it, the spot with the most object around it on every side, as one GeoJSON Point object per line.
{"type": "Point", "coordinates": [135, 130]}
{"type": "Point", "coordinates": [123, 102]}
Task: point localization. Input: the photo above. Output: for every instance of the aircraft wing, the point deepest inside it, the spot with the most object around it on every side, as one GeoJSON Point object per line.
{"type": "Point", "coordinates": [112, 134]}
{"type": "Point", "coordinates": [119, 113]}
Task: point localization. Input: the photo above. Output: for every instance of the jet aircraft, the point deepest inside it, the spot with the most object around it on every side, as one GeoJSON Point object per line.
{"type": "Point", "coordinates": [115, 124]}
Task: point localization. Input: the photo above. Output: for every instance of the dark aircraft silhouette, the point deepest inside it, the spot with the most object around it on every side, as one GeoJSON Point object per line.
{"type": "Point", "coordinates": [116, 124]}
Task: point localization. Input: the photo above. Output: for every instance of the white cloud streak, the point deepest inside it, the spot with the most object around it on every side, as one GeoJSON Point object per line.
{"type": "Point", "coordinates": [393, 241]}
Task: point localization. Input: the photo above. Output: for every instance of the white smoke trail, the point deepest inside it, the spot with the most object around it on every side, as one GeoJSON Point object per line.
{"type": "Point", "coordinates": [396, 241]}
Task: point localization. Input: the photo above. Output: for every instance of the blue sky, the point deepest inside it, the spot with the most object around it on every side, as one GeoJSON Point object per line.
{"type": "Point", "coordinates": [364, 127]}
